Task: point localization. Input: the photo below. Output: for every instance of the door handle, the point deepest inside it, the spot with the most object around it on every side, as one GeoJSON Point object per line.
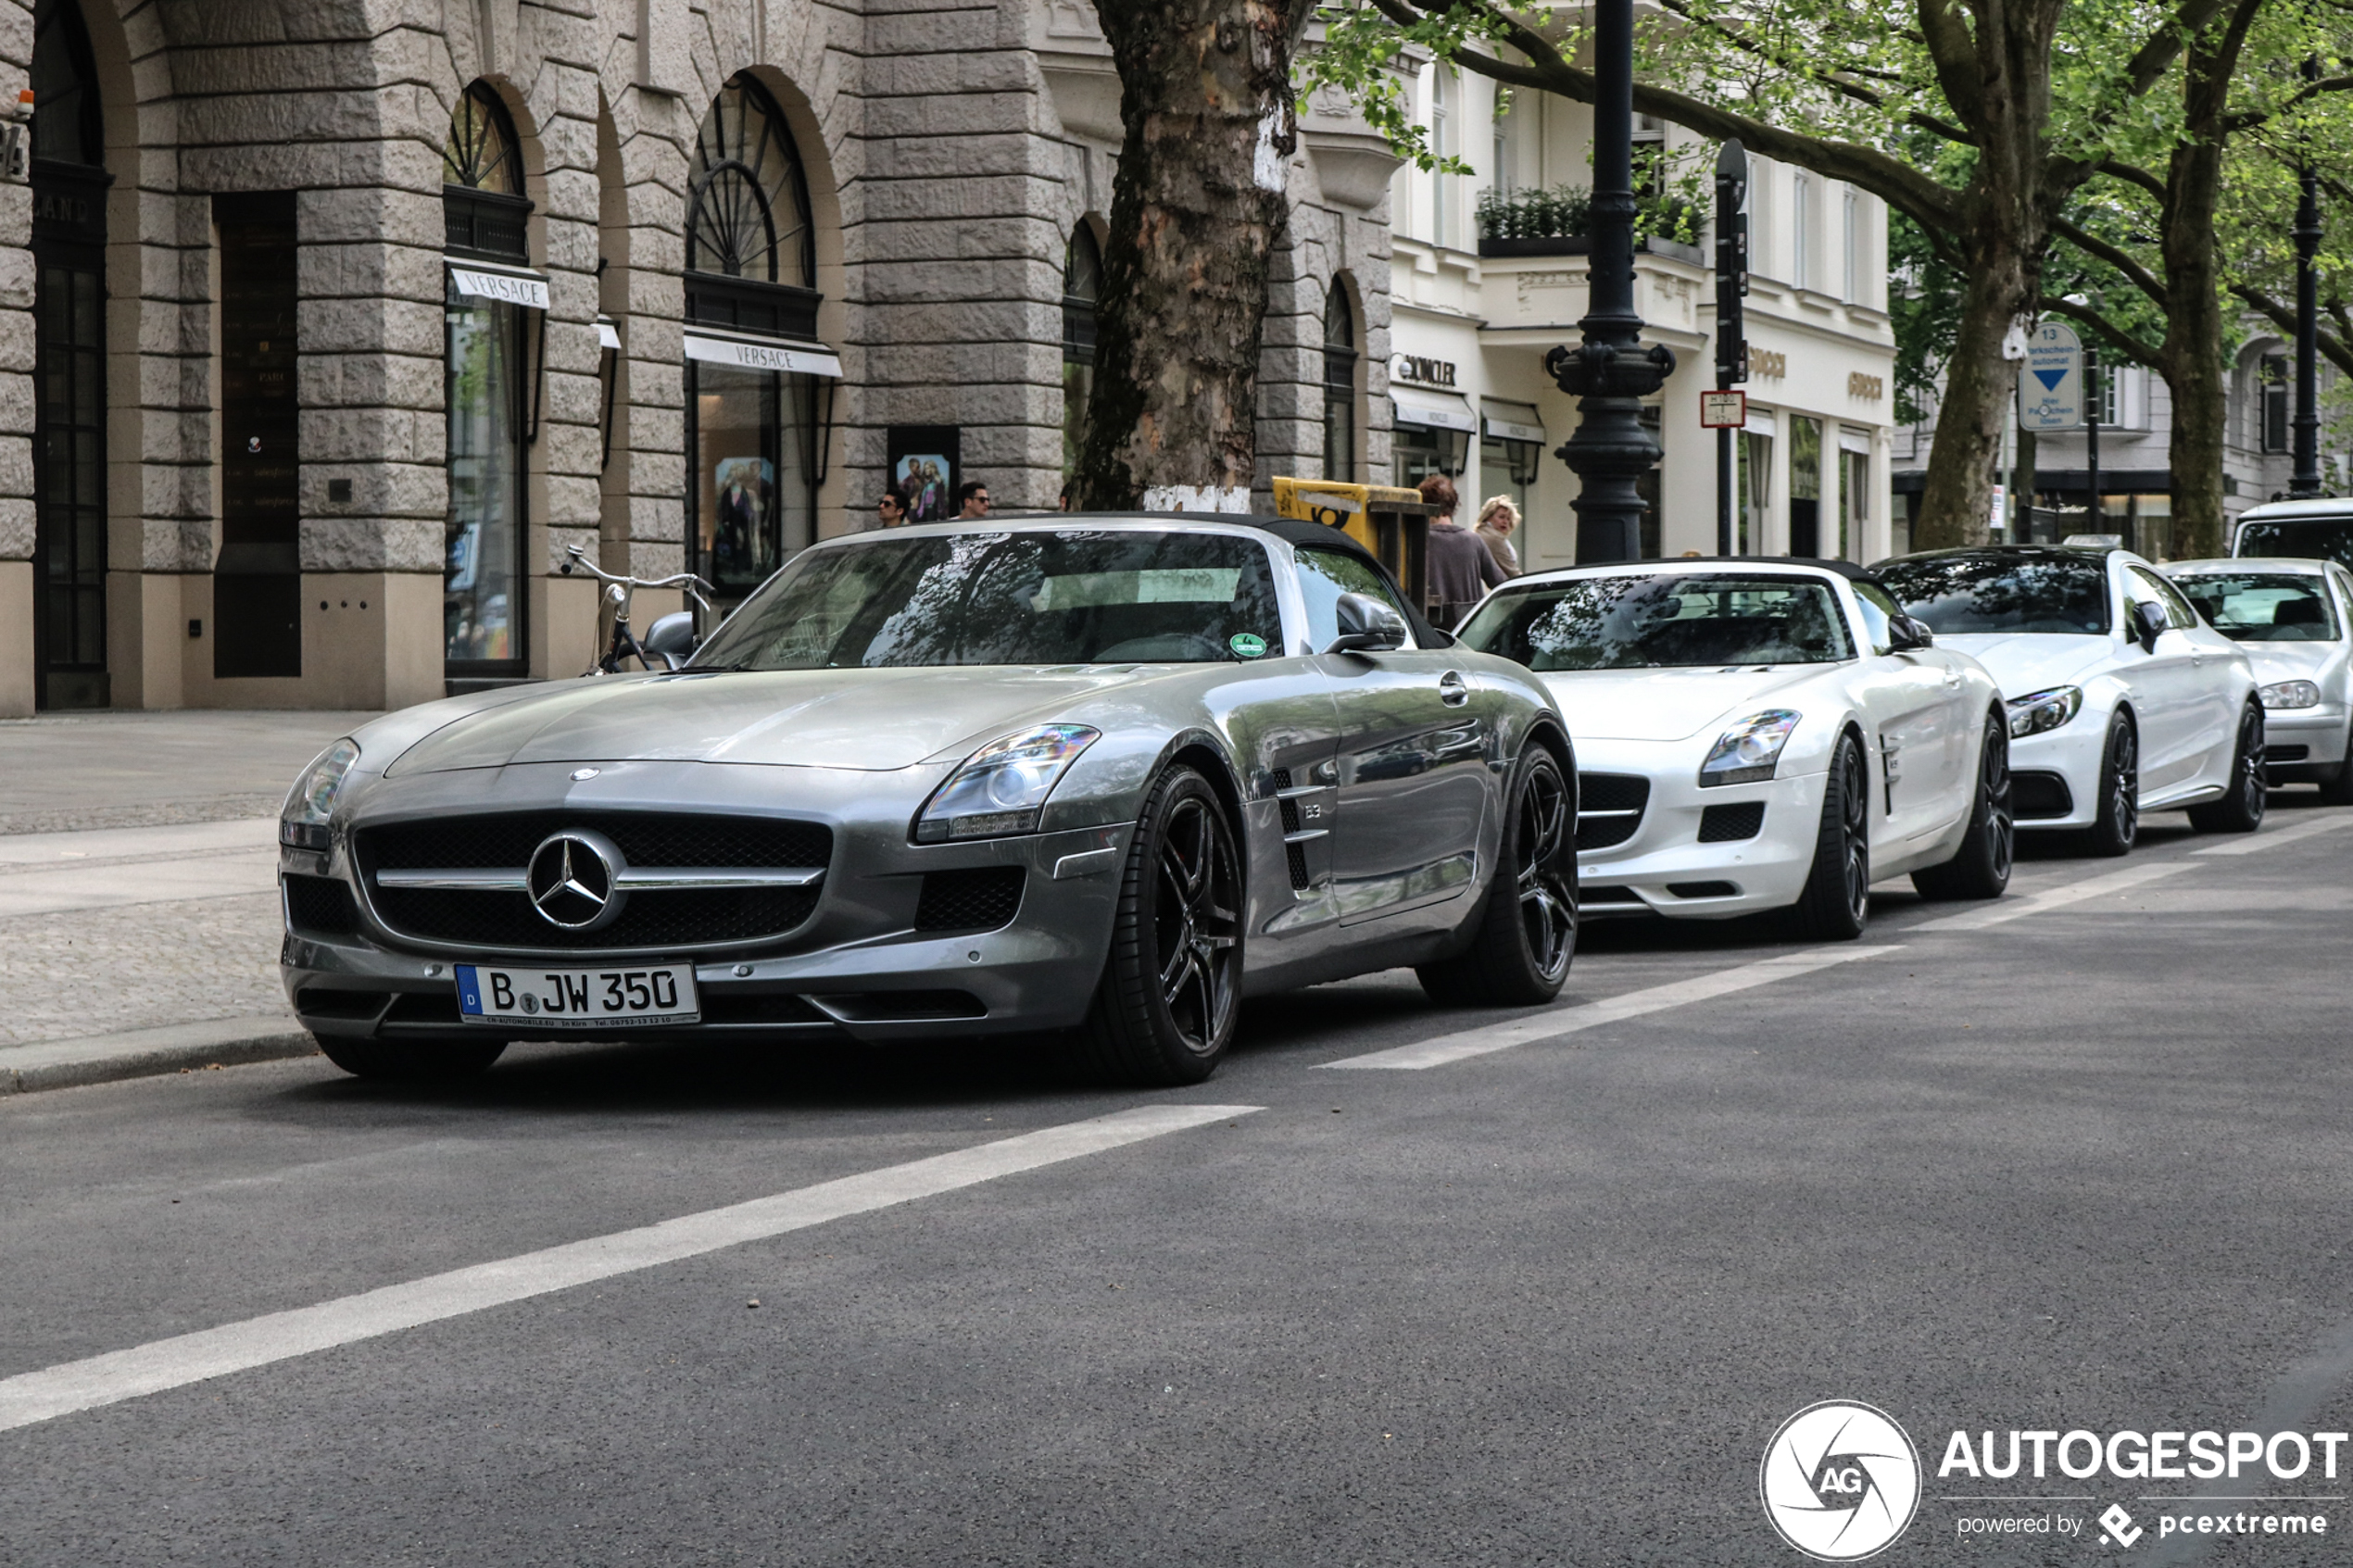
{"type": "Point", "coordinates": [1451, 690]}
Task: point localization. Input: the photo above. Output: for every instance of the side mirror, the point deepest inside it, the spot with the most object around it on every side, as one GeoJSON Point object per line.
{"type": "Point", "coordinates": [1366, 625]}
{"type": "Point", "coordinates": [672, 638]}
{"type": "Point", "coordinates": [1907, 635]}
{"type": "Point", "coordinates": [2148, 620]}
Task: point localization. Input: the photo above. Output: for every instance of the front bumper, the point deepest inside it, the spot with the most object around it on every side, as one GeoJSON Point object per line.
{"type": "Point", "coordinates": [857, 967]}
{"type": "Point", "coordinates": [2305, 745]}
{"type": "Point", "coordinates": [2055, 777]}
{"type": "Point", "coordinates": [1666, 869]}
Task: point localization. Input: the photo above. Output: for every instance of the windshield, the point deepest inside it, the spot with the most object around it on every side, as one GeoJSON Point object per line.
{"type": "Point", "coordinates": [1070, 596]}
{"type": "Point", "coordinates": [1663, 622]}
{"type": "Point", "coordinates": [1961, 594]}
{"type": "Point", "coordinates": [2269, 608]}
{"type": "Point", "coordinates": [2319, 538]}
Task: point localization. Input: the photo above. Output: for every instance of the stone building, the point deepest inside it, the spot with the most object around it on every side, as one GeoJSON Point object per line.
{"type": "Point", "coordinates": [326, 326]}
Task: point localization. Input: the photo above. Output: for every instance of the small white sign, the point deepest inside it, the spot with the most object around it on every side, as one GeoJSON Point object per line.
{"type": "Point", "coordinates": [510, 288]}
{"type": "Point", "coordinates": [2050, 384]}
{"type": "Point", "coordinates": [1723, 410]}
{"type": "Point", "coordinates": [808, 358]}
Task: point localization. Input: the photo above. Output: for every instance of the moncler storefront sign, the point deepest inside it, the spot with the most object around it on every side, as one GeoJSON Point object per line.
{"type": "Point", "coordinates": [508, 285]}
{"type": "Point", "coordinates": [764, 354]}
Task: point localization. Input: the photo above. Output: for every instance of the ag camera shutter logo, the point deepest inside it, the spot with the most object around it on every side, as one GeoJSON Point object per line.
{"type": "Point", "coordinates": [1840, 1481]}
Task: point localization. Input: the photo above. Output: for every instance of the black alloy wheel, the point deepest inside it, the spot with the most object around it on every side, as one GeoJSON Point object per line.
{"type": "Point", "coordinates": [2241, 810]}
{"type": "Point", "coordinates": [2118, 823]}
{"type": "Point", "coordinates": [1164, 1011]}
{"type": "Point", "coordinates": [1522, 937]}
{"type": "Point", "coordinates": [1836, 903]}
{"type": "Point", "coordinates": [1981, 867]}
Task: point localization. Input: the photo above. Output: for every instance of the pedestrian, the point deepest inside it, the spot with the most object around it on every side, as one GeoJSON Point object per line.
{"type": "Point", "coordinates": [972, 502]}
{"type": "Point", "coordinates": [1497, 519]}
{"type": "Point", "coordinates": [1460, 571]}
{"type": "Point", "coordinates": [891, 509]}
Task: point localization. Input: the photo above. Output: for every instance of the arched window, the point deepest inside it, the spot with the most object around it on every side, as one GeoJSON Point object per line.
{"type": "Point", "coordinates": [1339, 385]}
{"type": "Point", "coordinates": [1082, 290]}
{"type": "Point", "coordinates": [488, 306]}
{"type": "Point", "coordinates": [70, 435]}
{"type": "Point", "coordinates": [748, 213]}
{"type": "Point", "coordinates": [752, 358]}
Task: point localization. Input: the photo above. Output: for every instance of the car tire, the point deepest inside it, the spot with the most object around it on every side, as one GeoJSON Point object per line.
{"type": "Point", "coordinates": [1164, 1011]}
{"type": "Point", "coordinates": [1837, 901]}
{"type": "Point", "coordinates": [2338, 791]}
{"type": "Point", "coordinates": [2118, 826]}
{"type": "Point", "coordinates": [1524, 936]}
{"type": "Point", "coordinates": [413, 1062]}
{"type": "Point", "coordinates": [1981, 867]}
{"type": "Point", "coordinates": [2241, 810]}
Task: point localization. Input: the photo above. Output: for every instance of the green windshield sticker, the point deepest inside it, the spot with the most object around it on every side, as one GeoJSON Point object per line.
{"type": "Point", "coordinates": [1245, 645]}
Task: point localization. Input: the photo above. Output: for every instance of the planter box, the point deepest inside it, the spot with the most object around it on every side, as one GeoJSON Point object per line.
{"type": "Point", "coordinates": [1579, 244]}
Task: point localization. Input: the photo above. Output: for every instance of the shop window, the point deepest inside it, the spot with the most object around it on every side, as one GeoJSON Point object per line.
{"type": "Point", "coordinates": [1339, 385]}
{"type": "Point", "coordinates": [1853, 502]}
{"type": "Point", "coordinates": [1082, 290]}
{"type": "Point", "coordinates": [1804, 485]}
{"type": "Point", "coordinates": [1756, 450]}
{"type": "Point", "coordinates": [487, 332]}
{"type": "Point", "coordinates": [753, 365]}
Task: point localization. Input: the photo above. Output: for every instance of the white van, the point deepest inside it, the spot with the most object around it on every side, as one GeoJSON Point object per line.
{"type": "Point", "coordinates": [2322, 529]}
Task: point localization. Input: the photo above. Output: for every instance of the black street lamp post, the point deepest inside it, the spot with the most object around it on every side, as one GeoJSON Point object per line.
{"type": "Point", "coordinates": [1732, 341]}
{"type": "Point", "coordinates": [2306, 481]}
{"type": "Point", "coordinates": [1611, 371]}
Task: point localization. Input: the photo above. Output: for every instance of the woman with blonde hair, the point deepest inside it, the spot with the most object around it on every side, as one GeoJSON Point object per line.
{"type": "Point", "coordinates": [1497, 520]}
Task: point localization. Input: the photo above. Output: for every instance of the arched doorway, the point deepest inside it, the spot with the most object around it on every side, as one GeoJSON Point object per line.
{"type": "Point", "coordinates": [69, 185]}
{"type": "Point", "coordinates": [1082, 294]}
{"type": "Point", "coordinates": [1339, 385]}
{"type": "Point", "coordinates": [754, 365]}
{"type": "Point", "coordinates": [490, 297]}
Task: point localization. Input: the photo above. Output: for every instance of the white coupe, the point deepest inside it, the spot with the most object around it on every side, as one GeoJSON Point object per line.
{"type": "Point", "coordinates": [1761, 734]}
{"type": "Point", "coordinates": [2122, 699]}
{"type": "Point", "coordinates": [2293, 619]}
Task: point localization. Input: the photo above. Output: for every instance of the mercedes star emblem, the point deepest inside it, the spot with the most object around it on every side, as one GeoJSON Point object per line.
{"type": "Point", "coordinates": [574, 879]}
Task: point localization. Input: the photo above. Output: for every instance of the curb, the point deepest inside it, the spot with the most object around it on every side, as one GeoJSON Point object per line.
{"type": "Point", "coordinates": [147, 1053]}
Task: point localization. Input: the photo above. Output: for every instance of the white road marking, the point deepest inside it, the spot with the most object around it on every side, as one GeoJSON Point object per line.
{"type": "Point", "coordinates": [2256, 843]}
{"type": "Point", "coordinates": [229, 874]}
{"type": "Point", "coordinates": [2003, 910]}
{"type": "Point", "coordinates": [165, 843]}
{"type": "Point", "coordinates": [215, 1352]}
{"type": "Point", "coordinates": [1555, 1023]}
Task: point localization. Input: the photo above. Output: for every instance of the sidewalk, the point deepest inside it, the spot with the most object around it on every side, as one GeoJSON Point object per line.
{"type": "Point", "coordinates": [139, 923]}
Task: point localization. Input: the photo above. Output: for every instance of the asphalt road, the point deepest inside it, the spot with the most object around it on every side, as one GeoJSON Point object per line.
{"type": "Point", "coordinates": [2075, 1160]}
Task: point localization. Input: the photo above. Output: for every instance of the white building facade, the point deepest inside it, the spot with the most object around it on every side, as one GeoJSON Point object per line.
{"type": "Point", "coordinates": [1472, 314]}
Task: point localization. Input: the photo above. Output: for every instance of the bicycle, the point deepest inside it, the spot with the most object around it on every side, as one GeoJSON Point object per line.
{"type": "Point", "coordinates": [669, 639]}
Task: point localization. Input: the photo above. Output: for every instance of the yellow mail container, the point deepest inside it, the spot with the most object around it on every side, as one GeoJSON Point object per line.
{"type": "Point", "coordinates": [1386, 519]}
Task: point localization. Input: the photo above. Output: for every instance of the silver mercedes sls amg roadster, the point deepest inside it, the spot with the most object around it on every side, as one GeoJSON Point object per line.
{"type": "Point", "coordinates": [1094, 778]}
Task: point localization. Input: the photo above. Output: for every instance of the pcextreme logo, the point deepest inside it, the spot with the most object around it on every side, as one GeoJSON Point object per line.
{"type": "Point", "coordinates": [1840, 1481]}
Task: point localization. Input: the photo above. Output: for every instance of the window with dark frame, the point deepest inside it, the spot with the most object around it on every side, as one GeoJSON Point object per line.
{"type": "Point", "coordinates": [1339, 385]}
{"type": "Point", "coordinates": [2271, 402]}
{"type": "Point", "coordinates": [1082, 290]}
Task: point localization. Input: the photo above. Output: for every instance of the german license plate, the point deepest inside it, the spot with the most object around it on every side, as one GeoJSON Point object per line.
{"type": "Point", "coordinates": [578, 999]}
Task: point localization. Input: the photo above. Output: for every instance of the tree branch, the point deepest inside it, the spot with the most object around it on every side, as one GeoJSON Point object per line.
{"type": "Point", "coordinates": [2139, 350]}
{"type": "Point", "coordinates": [2116, 169]}
{"type": "Point", "coordinates": [2092, 244]}
{"type": "Point", "coordinates": [1930, 203]}
{"type": "Point", "coordinates": [2283, 316]}
{"type": "Point", "coordinates": [2249, 118]}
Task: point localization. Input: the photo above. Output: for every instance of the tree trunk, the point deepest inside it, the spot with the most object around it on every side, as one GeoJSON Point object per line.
{"type": "Point", "coordinates": [2191, 356]}
{"type": "Point", "coordinates": [1197, 212]}
{"type": "Point", "coordinates": [1956, 500]}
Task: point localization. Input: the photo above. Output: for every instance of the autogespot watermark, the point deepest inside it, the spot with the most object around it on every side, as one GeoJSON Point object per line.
{"type": "Point", "coordinates": [1841, 1481]}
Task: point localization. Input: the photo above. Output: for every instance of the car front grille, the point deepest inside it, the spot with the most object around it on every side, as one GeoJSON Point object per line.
{"type": "Point", "coordinates": [652, 918]}
{"type": "Point", "coordinates": [1609, 808]}
{"type": "Point", "coordinates": [320, 906]}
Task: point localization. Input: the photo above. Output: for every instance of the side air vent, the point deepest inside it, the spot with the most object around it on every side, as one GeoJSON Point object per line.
{"type": "Point", "coordinates": [979, 898]}
{"type": "Point", "coordinates": [1294, 851]}
{"type": "Point", "coordinates": [1727, 824]}
{"type": "Point", "coordinates": [320, 905]}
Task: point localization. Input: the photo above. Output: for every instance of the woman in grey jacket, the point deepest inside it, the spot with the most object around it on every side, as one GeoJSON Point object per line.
{"type": "Point", "coordinates": [1459, 568]}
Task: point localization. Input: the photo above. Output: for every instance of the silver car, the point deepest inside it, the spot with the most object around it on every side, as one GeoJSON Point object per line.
{"type": "Point", "coordinates": [2294, 620]}
{"type": "Point", "coordinates": [1103, 777]}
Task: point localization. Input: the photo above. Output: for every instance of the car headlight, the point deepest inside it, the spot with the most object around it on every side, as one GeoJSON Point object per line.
{"type": "Point", "coordinates": [302, 822]}
{"type": "Point", "coordinates": [2038, 711]}
{"type": "Point", "coordinates": [1748, 751]}
{"type": "Point", "coordinates": [1000, 788]}
{"type": "Point", "coordinates": [2289, 693]}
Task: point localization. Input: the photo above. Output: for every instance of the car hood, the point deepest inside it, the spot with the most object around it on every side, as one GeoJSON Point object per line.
{"type": "Point", "coordinates": [2023, 662]}
{"type": "Point", "coordinates": [1668, 704]}
{"type": "Point", "coordinates": [2291, 661]}
{"type": "Point", "coordinates": [861, 719]}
